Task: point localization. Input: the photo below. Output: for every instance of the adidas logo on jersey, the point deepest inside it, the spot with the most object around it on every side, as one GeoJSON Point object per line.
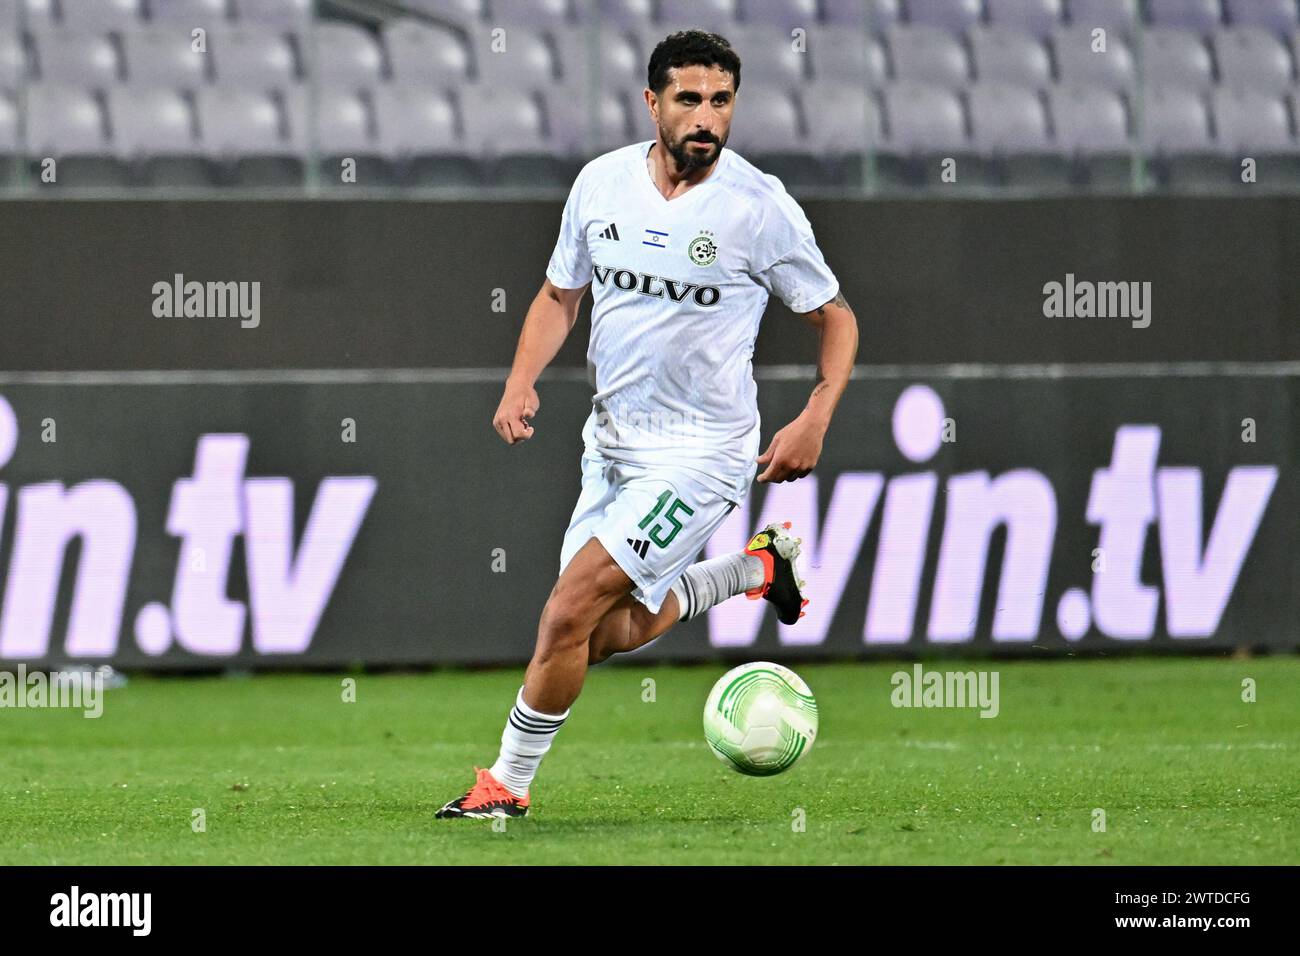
{"type": "Point", "coordinates": [610, 232]}
{"type": "Point", "coordinates": [641, 546]}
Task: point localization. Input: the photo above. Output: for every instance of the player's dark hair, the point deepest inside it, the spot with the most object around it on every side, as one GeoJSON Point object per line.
{"type": "Point", "coordinates": [691, 48]}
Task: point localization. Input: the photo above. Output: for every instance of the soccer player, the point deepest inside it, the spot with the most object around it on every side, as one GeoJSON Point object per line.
{"type": "Point", "coordinates": [681, 242]}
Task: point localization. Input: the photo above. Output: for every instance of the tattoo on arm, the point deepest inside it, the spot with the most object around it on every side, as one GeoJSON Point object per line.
{"type": "Point", "coordinates": [839, 300]}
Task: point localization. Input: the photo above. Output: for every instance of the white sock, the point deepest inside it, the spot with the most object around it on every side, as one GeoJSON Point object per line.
{"type": "Point", "coordinates": [524, 743]}
{"type": "Point", "coordinates": [709, 583]}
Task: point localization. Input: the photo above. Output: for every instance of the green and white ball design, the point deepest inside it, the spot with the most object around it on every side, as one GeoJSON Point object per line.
{"type": "Point", "coordinates": [760, 718]}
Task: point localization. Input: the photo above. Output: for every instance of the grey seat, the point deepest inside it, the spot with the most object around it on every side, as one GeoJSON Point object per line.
{"type": "Point", "coordinates": [1036, 17]}
{"type": "Point", "coordinates": [1004, 55]}
{"type": "Point", "coordinates": [927, 54]}
{"type": "Point", "coordinates": [1092, 131]}
{"type": "Point", "coordinates": [243, 131]}
{"type": "Point", "coordinates": [844, 126]}
{"type": "Point", "coordinates": [848, 56]}
{"type": "Point", "coordinates": [1253, 57]}
{"type": "Point", "coordinates": [1113, 16]}
{"type": "Point", "coordinates": [574, 128]}
{"type": "Point", "coordinates": [923, 118]}
{"type": "Point", "coordinates": [768, 122]}
{"type": "Point", "coordinates": [526, 61]}
{"type": "Point", "coordinates": [208, 14]}
{"type": "Point", "coordinates": [67, 124]}
{"type": "Point", "coordinates": [768, 56]}
{"type": "Point", "coordinates": [253, 57]}
{"type": "Point", "coordinates": [952, 16]}
{"type": "Point", "coordinates": [417, 133]}
{"type": "Point", "coordinates": [1174, 129]}
{"type": "Point", "coordinates": [506, 127]}
{"type": "Point", "coordinates": [155, 133]}
{"type": "Point", "coordinates": [716, 16]}
{"type": "Point", "coordinates": [783, 15]}
{"type": "Point", "coordinates": [1172, 57]}
{"type": "Point", "coordinates": [344, 55]}
{"type": "Point", "coordinates": [1276, 16]}
{"type": "Point", "coordinates": [102, 14]}
{"type": "Point", "coordinates": [1257, 125]}
{"type": "Point", "coordinates": [8, 126]}
{"type": "Point", "coordinates": [337, 125]}
{"type": "Point", "coordinates": [1202, 16]}
{"type": "Point", "coordinates": [1078, 63]}
{"type": "Point", "coordinates": [13, 61]}
{"type": "Point", "coordinates": [294, 14]}
{"type": "Point", "coordinates": [420, 54]}
{"type": "Point", "coordinates": [82, 59]}
{"type": "Point", "coordinates": [1010, 135]}
{"type": "Point", "coordinates": [551, 14]}
{"type": "Point", "coordinates": [629, 14]}
{"type": "Point", "coordinates": [164, 55]}
{"type": "Point", "coordinates": [618, 63]}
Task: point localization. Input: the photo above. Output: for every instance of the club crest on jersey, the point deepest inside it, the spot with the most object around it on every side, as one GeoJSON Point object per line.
{"type": "Point", "coordinates": [659, 287]}
{"type": "Point", "coordinates": [703, 250]}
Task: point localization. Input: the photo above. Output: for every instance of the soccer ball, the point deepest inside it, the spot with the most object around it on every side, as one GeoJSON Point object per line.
{"type": "Point", "coordinates": [760, 718]}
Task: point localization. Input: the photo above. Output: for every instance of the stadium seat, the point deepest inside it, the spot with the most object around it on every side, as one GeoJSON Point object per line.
{"type": "Point", "coordinates": [421, 55]}
{"type": "Point", "coordinates": [13, 61]}
{"type": "Point", "coordinates": [243, 131]}
{"type": "Point", "coordinates": [1175, 58]}
{"type": "Point", "coordinates": [927, 54]}
{"type": "Point", "coordinates": [1077, 62]}
{"type": "Point", "coordinates": [783, 15]}
{"type": "Point", "coordinates": [102, 14]}
{"type": "Point", "coordinates": [569, 119]}
{"type": "Point", "coordinates": [208, 14]}
{"type": "Point", "coordinates": [164, 55]}
{"type": "Point", "coordinates": [716, 16]}
{"type": "Point", "coordinates": [344, 129]}
{"type": "Point", "coordinates": [295, 14]}
{"type": "Point", "coordinates": [1091, 126]}
{"type": "Point", "coordinates": [507, 128]}
{"type": "Point", "coordinates": [82, 59]}
{"type": "Point", "coordinates": [67, 124]}
{"type": "Point", "coordinates": [1036, 17]}
{"type": "Point", "coordinates": [924, 124]}
{"type": "Point", "coordinates": [1276, 16]}
{"type": "Point", "coordinates": [154, 131]}
{"type": "Point", "coordinates": [630, 14]}
{"type": "Point", "coordinates": [847, 56]}
{"type": "Point", "coordinates": [1114, 16]}
{"type": "Point", "coordinates": [844, 127]}
{"type": "Point", "coordinates": [1257, 125]}
{"type": "Point", "coordinates": [252, 57]}
{"type": "Point", "coordinates": [1253, 57]}
{"type": "Point", "coordinates": [618, 63]}
{"type": "Point", "coordinates": [526, 61]}
{"type": "Point", "coordinates": [1203, 16]}
{"type": "Point", "coordinates": [1174, 130]}
{"type": "Point", "coordinates": [548, 14]}
{"type": "Point", "coordinates": [768, 56]}
{"type": "Point", "coordinates": [1009, 56]}
{"type": "Point", "coordinates": [342, 54]}
{"type": "Point", "coordinates": [767, 122]}
{"type": "Point", "coordinates": [952, 16]}
{"type": "Point", "coordinates": [417, 132]}
{"type": "Point", "coordinates": [1010, 136]}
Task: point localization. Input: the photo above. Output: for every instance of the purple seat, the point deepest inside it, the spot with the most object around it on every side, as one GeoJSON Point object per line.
{"type": "Point", "coordinates": [235, 122]}
{"type": "Point", "coordinates": [190, 13]}
{"type": "Point", "coordinates": [1006, 120]}
{"type": "Point", "coordinates": [629, 14]}
{"type": "Point", "coordinates": [345, 55]}
{"type": "Point", "coordinates": [422, 55]}
{"type": "Point", "coordinates": [102, 14]}
{"type": "Point", "coordinates": [164, 56]}
{"type": "Point", "coordinates": [1039, 17]}
{"type": "Point", "coordinates": [551, 14]}
{"type": "Point", "coordinates": [341, 122]}
{"type": "Point", "coordinates": [1174, 120]}
{"type": "Point", "coordinates": [784, 15]}
{"type": "Point", "coordinates": [253, 57]}
{"type": "Point", "coordinates": [847, 55]}
{"type": "Point", "coordinates": [879, 14]}
{"type": "Point", "coordinates": [923, 118]}
{"type": "Point", "coordinates": [1277, 16]}
{"type": "Point", "coordinates": [503, 121]}
{"type": "Point", "coordinates": [416, 122]}
{"type": "Point", "coordinates": [1089, 120]}
{"type": "Point", "coordinates": [294, 14]}
{"type": "Point", "coordinates": [927, 54]}
{"type": "Point", "coordinates": [1202, 16]}
{"type": "Point", "coordinates": [841, 119]}
{"type": "Point", "coordinates": [8, 124]}
{"type": "Point", "coordinates": [1003, 55]}
{"type": "Point", "coordinates": [954, 16]}
{"type": "Point", "coordinates": [13, 62]}
{"type": "Point", "coordinates": [716, 16]}
{"type": "Point", "coordinates": [768, 56]}
{"type": "Point", "coordinates": [767, 121]}
{"type": "Point", "coordinates": [1253, 57]}
{"type": "Point", "coordinates": [1111, 15]}
{"type": "Point", "coordinates": [151, 121]}
{"type": "Point", "coordinates": [64, 121]}
{"type": "Point", "coordinates": [619, 62]}
{"type": "Point", "coordinates": [525, 61]}
{"type": "Point", "coordinates": [82, 59]}
{"type": "Point", "coordinates": [1078, 63]}
{"type": "Point", "coordinates": [1252, 121]}
{"type": "Point", "coordinates": [1171, 57]}
{"type": "Point", "coordinates": [570, 118]}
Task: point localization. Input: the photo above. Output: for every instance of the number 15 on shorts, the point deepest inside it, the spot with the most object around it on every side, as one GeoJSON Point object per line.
{"type": "Point", "coordinates": [670, 516]}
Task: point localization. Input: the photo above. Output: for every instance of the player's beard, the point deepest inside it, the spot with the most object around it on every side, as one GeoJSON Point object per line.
{"type": "Point", "coordinates": [688, 158]}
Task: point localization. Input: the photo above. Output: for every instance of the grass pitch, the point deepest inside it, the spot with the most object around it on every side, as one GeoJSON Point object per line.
{"type": "Point", "coordinates": [285, 772]}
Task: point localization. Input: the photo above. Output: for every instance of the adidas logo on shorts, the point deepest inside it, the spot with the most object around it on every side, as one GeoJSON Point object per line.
{"type": "Point", "coordinates": [641, 546]}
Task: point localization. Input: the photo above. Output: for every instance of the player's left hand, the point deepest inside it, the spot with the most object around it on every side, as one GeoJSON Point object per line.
{"type": "Point", "coordinates": [793, 451]}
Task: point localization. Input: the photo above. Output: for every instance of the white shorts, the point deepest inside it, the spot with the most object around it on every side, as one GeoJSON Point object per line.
{"type": "Point", "coordinates": [654, 521]}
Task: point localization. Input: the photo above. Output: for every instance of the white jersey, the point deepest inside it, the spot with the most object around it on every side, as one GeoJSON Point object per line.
{"type": "Point", "coordinates": [679, 287]}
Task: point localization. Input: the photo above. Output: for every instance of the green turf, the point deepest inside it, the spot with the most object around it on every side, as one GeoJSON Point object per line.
{"type": "Point", "coordinates": [286, 772]}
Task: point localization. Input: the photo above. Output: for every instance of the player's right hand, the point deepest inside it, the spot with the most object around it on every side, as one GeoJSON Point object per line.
{"type": "Point", "coordinates": [518, 405]}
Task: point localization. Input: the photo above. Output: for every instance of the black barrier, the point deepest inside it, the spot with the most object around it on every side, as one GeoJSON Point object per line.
{"type": "Point", "coordinates": [424, 284]}
{"type": "Point", "coordinates": [337, 518]}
